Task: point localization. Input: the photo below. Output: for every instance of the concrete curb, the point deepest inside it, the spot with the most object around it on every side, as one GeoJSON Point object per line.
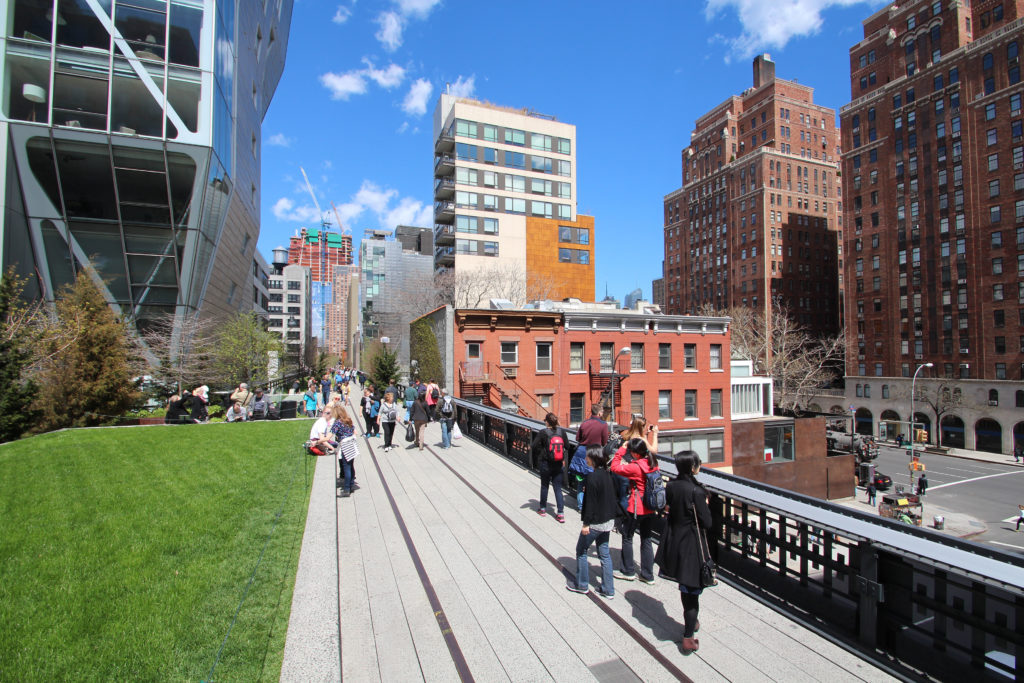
{"type": "Point", "coordinates": [313, 642]}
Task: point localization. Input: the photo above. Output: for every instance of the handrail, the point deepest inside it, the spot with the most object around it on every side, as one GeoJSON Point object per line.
{"type": "Point", "coordinates": [914, 601]}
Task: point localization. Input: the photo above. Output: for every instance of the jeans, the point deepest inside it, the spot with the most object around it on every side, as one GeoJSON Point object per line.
{"type": "Point", "coordinates": [583, 567]}
{"type": "Point", "coordinates": [446, 432]}
{"type": "Point", "coordinates": [389, 433]}
{"type": "Point", "coordinates": [555, 479]}
{"type": "Point", "coordinates": [645, 525]}
{"type": "Point", "coordinates": [346, 471]}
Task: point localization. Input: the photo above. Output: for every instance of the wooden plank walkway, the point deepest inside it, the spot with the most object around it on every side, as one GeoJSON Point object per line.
{"type": "Point", "coordinates": [445, 572]}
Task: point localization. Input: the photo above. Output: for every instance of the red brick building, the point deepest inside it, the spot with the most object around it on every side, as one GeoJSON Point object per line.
{"type": "Point", "coordinates": [934, 209]}
{"type": "Point", "coordinates": [758, 213]}
{"type": "Point", "coordinates": [568, 357]}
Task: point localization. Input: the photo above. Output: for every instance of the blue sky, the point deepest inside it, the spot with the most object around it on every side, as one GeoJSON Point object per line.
{"type": "Point", "coordinates": [362, 77]}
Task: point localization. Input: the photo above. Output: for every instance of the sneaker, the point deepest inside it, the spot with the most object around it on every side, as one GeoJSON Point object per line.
{"type": "Point", "coordinates": [560, 517]}
{"type": "Point", "coordinates": [574, 589]}
{"type": "Point", "coordinates": [542, 512]}
{"type": "Point", "coordinates": [649, 581]}
{"type": "Point", "coordinates": [606, 596]}
{"type": "Point", "coordinates": [346, 494]}
{"type": "Point", "coordinates": [624, 577]}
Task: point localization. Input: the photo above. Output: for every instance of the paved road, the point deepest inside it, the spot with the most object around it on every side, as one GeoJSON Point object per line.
{"type": "Point", "coordinates": [985, 490]}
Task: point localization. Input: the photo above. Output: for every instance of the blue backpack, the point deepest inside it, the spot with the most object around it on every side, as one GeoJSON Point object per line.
{"type": "Point", "coordinates": [654, 491]}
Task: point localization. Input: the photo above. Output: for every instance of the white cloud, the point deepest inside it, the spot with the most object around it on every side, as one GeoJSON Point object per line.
{"type": "Point", "coordinates": [402, 128]}
{"type": "Point", "coordinates": [342, 15]}
{"type": "Point", "coordinates": [772, 24]}
{"type": "Point", "coordinates": [390, 33]}
{"type": "Point", "coordinates": [279, 140]}
{"type": "Point", "coordinates": [286, 210]}
{"type": "Point", "coordinates": [415, 102]}
{"type": "Point", "coordinates": [418, 8]}
{"type": "Point", "coordinates": [372, 197]}
{"type": "Point", "coordinates": [343, 86]}
{"type": "Point", "coordinates": [388, 77]}
{"type": "Point", "coordinates": [462, 87]}
{"type": "Point", "coordinates": [349, 211]}
{"type": "Point", "coordinates": [409, 212]}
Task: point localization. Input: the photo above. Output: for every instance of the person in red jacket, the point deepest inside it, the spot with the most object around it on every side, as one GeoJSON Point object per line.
{"type": "Point", "coordinates": [638, 517]}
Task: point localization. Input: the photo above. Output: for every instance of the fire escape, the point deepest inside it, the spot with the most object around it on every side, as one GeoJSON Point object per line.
{"type": "Point", "coordinates": [494, 384]}
{"type": "Point", "coordinates": [606, 378]}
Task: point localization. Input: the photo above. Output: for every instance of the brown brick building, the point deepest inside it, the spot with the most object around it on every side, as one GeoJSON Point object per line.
{"type": "Point", "coordinates": [934, 210]}
{"type": "Point", "coordinates": [757, 216]}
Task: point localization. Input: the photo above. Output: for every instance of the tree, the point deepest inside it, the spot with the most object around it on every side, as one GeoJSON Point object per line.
{"type": "Point", "coordinates": [86, 378]}
{"type": "Point", "coordinates": [243, 350]}
{"type": "Point", "coordinates": [798, 362]}
{"type": "Point", "coordinates": [17, 390]}
{"type": "Point", "coordinates": [424, 349]}
{"type": "Point", "coordinates": [181, 350]}
{"type": "Point", "coordinates": [384, 368]}
{"type": "Point", "coordinates": [941, 396]}
{"type": "Point", "coordinates": [475, 288]}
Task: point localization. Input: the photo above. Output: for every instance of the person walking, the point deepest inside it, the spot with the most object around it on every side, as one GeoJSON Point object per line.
{"type": "Point", "coordinates": [598, 515]}
{"type": "Point", "coordinates": [681, 548]}
{"type": "Point", "coordinates": [591, 432]}
{"type": "Point", "coordinates": [922, 484]}
{"type": "Point", "coordinates": [872, 492]}
{"type": "Point", "coordinates": [433, 396]}
{"type": "Point", "coordinates": [325, 388]}
{"type": "Point", "coordinates": [364, 407]}
{"type": "Point", "coordinates": [1018, 452]}
{"type": "Point", "coordinates": [638, 517]}
{"type": "Point", "coordinates": [446, 415]}
{"type": "Point", "coordinates": [1020, 517]}
{"type": "Point", "coordinates": [420, 417]}
{"type": "Point", "coordinates": [374, 408]}
{"type": "Point", "coordinates": [388, 417]}
{"type": "Point", "coordinates": [410, 398]}
{"type": "Point", "coordinates": [549, 449]}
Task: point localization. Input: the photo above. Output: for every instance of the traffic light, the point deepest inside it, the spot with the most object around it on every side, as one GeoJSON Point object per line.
{"type": "Point", "coordinates": [921, 436]}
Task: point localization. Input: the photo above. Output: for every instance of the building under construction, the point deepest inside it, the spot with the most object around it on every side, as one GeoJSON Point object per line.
{"type": "Point", "coordinates": [321, 251]}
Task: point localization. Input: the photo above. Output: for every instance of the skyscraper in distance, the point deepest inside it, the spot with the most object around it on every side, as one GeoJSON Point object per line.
{"type": "Point", "coordinates": [757, 216]}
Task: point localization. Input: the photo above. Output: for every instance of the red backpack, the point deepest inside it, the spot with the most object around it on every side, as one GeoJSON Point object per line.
{"type": "Point", "coordinates": [556, 447]}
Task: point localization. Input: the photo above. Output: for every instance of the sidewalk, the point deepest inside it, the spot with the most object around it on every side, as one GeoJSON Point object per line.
{"type": "Point", "coordinates": [981, 456]}
{"type": "Point", "coordinates": [439, 568]}
{"type": "Point", "coordinates": [955, 523]}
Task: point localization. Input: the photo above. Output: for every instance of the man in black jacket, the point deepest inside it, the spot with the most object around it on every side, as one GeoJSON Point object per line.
{"type": "Point", "coordinates": [550, 451]}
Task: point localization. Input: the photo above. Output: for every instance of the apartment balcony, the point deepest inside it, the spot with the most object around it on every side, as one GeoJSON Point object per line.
{"type": "Point", "coordinates": [444, 256]}
{"type": "Point", "coordinates": [445, 142]}
{"type": "Point", "coordinates": [444, 164]}
{"type": "Point", "coordinates": [444, 212]}
{"type": "Point", "coordinates": [444, 234]}
{"type": "Point", "coordinates": [444, 188]}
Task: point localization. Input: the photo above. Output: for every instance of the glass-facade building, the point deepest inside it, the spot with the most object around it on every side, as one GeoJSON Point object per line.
{"type": "Point", "coordinates": [130, 148]}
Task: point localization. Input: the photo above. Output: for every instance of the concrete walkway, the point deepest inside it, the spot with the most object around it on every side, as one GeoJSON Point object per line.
{"type": "Point", "coordinates": [438, 568]}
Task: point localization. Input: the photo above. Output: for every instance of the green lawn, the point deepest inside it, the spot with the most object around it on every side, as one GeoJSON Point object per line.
{"type": "Point", "coordinates": [124, 553]}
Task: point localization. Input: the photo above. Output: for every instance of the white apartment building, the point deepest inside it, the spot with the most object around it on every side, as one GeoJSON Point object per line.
{"type": "Point", "coordinates": [494, 168]}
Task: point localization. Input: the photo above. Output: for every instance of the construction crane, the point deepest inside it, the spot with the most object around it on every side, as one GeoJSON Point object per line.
{"type": "Point", "coordinates": [337, 215]}
{"type": "Point", "coordinates": [322, 242]}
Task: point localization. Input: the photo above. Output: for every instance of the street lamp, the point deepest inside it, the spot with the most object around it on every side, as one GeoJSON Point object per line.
{"type": "Point", "coordinates": [912, 435]}
{"type": "Point", "coordinates": [623, 350]}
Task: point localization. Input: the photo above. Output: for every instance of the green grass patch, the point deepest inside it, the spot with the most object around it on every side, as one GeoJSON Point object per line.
{"type": "Point", "coordinates": [124, 553]}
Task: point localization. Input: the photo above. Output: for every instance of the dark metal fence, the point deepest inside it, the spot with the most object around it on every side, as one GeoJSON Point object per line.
{"type": "Point", "coordinates": [924, 604]}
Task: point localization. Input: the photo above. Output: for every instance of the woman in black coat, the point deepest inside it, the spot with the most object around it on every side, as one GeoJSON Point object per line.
{"type": "Point", "coordinates": [680, 554]}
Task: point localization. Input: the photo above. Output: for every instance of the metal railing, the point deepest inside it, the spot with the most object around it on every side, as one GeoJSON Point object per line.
{"type": "Point", "coordinates": [914, 601]}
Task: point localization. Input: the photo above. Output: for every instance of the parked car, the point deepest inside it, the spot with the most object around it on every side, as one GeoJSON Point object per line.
{"type": "Point", "coordinates": [883, 482]}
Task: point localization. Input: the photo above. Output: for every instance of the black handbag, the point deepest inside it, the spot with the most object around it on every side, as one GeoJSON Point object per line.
{"type": "Point", "coordinates": [410, 432]}
{"type": "Point", "coordinates": [708, 568]}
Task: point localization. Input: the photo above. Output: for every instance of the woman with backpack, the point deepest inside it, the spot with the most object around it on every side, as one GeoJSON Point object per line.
{"type": "Point", "coordinates": [598, 515]}
{"type": "Point", "coordinates": [387, 417]}
{"type": "Point", "coordinates": [681, 549]}
{"type": "Point", "coordinates": [639, 517]}
{"type": "Point", "coordinates": [549, 450]}
{"type": "Point", "coordinates": [419, 416]}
